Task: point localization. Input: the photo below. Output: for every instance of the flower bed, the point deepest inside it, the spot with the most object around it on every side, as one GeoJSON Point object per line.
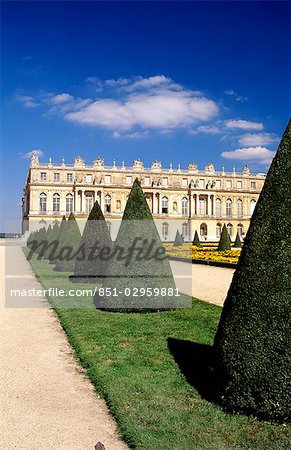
{"type": "Point", "coordinates": [202, 253]}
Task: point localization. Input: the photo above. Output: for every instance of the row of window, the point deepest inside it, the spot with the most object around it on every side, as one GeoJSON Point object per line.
{"type": "Point", "coordinates": [164, 205]}
{"type": "Point", "coordinates": [147, 181]}
{"type": "Point", "coordinates": [204, 230]}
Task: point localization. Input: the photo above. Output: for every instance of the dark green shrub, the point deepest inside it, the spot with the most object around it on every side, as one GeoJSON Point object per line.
{"type": "Point", "coordinates": [95, 238]}
{"type": "Point", "coordinates": [178, 239]}
{"type": "Point", "coordinates": [252, 344]}
{"type": "Point", "coordinates": [59, 232]}
{"type": "Point", "coordinates": [196, 240]}
{"type": "Point", "coordinates": [237, 242]}
{"type": "Point", "coordinates": [69, 244]}
{"type": "Point", "coordinates": [224, 242]}
{"type": "Point", "coordinates": [129, 275]}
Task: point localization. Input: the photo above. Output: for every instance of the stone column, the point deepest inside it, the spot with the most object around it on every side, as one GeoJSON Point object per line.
{"type": "Point", "coordinates": [214, 205]}
{"type": "Point", "coordinates": [192, 205]}
{"type": "Point", "coordinates": [82, 207]}
{"type": "Point", "coordinates": [75, 202]}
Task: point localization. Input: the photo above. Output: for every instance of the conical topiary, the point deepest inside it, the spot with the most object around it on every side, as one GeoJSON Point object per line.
{"type": "Point", "coordinates": [139, 264]}
{"type": "Point", "coordinates": [224, 242]}
{"type": "Point", "coordinates": [196, 240]}
{"type": "Point", "coordinates": [95, 239]}
{"type": "Point", "coordinates": [53, 256]}
{"type": "Point", "coordinates": [45, 250]}
{"type": "Point", "coordinates": [178, 239]}
{"type": "Point", "coordinates": [237, 242]}
{"type": "Point", "coordinates": [252, 345]}
{"type": "Point", "coordinates": [69, 246]}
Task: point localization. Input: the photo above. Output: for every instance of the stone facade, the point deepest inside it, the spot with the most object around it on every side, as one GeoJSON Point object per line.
{"type": "Point", "coordinates": [187, 200]}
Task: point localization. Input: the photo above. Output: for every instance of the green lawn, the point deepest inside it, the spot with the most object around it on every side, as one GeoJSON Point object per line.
{"type": "Point", "coordinates": [153, 385]}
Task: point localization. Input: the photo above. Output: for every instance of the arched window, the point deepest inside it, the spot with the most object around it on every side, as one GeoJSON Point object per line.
{"type": "Point", "coordinates": [185, 230]}
{"type": "Point", "coordinates": [56, 203]}
{"type": "Point", "coordinates": [203, 230]}
{"type": "Point", "coordinates": [218, 207]}
{"type": "Point", "coordinates": [184, 206]}
{"type": "Point", "coordinates": [165, 205]}
{"type": "Point", "coordinates": [69, 203]}
{"type": "Point", "coordinates": [42, 203]}
{"type": "Point", "coordinates": [89, 202]}
{"type": "Point", "coordinates": [240, 229]}
{"type": "Point", "coordinates": [228, 207]}
{"type": "Point", "coordinates": [218, 230]}
{"type": "Point", "coordinates": [165, 230]}
{"type": "Point", "coordinates": [229, 229]}
{"type": "Point", "coordinates": [253, 205]}
{"type": "Point", "coordinates": [239, 209]}
{"type": "Point", "coordinates": [107, 202]}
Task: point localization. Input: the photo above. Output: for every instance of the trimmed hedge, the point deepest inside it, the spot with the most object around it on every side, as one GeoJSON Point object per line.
{"type": "Point", "coordinates": [69, 244]}
{"type": "Point", "coordinates": [224, 242]}
{"type": "Point", "coordinates": [196, 240]}
{"type": "Point", "coordinates": [252, 344]}
{"type": "Point", "coordinates": [237, 242]}
{"type": "Point", "coordinates": [128, 276]}
{"type": "Point", "coordinates": [178, 240]}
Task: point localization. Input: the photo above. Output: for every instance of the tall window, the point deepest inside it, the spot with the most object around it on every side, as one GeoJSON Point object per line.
{"type": "Point", "coordinates": [240, 229]}
{"type": "Point", "coordinates": [107, 201]}
{"type": "Point", "coordinates": [185, 230]}
{"type": "Point", "coordinates": [118, 205]}
{"type": "Point", "coordinates": [202, 206]}
{"type": "Point", "coordinates": [239, 184]}
{"type": "Point", "coordinates": [229, 229]}
{"type": "Point", "coordinates": [184, 206]}
{"type": "Point", "coordinates": [228, 184]}
{"type": "Point", "coordinates": [253, 205]}
{"type": "Point", "coordinates": [239, 209]}
{"type": "Point", "coordinates": [228, 207]}
{"type": "Point", "coordinates": [56, 203]}
{"type": "Point", "coordinates": [69, 203]}
{"type": "Point", "coordinates": [42, 202]}
{"type": "Point", "coordinates": [165, 205]}
{"type": "Point", "coordinates": [164, 181]}
{"type": "Point", "coordinates": [253, 185]}
{"type": "Point", "coordinates": [89, 202]}
{"type": "Point", "coordinates": [218, 207]}
{"type": "Point", "coordinates": [56, 176]}
{"type": "Point", "coordinates": [218, 184]}
{"type": "Point", "coordinates": [107, 179]}
{"type": "Point", "coordinates": [201, 183]}
{"type": "Point", "coordinates": [165, 230]}
{"type": "Point", "coordinates": [69, 177]}
{"type": "Point", "coordinates": [147, 181]}
{"type": "Point", "coordinates": [218, 230]}
{"type": "Point", "coordinates": [42, 176]}
{"type": "Point", "coordinates": [184, 182]}
{"type": "Point", "coordinates": [175, 206]}
{"type": "Point", "coordinates": [89, 178]}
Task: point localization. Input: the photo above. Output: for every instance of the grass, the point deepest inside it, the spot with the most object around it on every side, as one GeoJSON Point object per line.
{"type": "Point", "coordinates": [145, 368]}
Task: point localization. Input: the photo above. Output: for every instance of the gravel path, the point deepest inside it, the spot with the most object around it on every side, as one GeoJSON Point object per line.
{"type": "Point", "coordinates": [46, 400]}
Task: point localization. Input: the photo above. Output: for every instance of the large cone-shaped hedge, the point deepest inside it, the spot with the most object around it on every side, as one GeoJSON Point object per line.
{"type": "Point", "coordinates": [127, 277]}
{"type": "Point", "coordinates": [178, 239]}
{"type": "Point", "coordinates": [224, 241]}
{"type": "Point", "coordinates": [252, 345]}
{"type": "Point", "coordinates": [237, 242]}
{"type": "Point", "coordinates": [95, 238]}
{"type": "Point", "coordinates": [69, 245]}
{"type": "Point", "coordinates": [59, 235]}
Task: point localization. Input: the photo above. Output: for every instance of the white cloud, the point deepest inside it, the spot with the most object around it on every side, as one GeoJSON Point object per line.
{"type": "Point", "coordinates": [27, 101]}
{"type": "Point", "coordinates": [244, 124]}
{"type": "Point", "coordinates": [161, 109]}
{"type": "Point", "coordinates": [134, 135]}
{"type": "Point", "coordinates": [258, 154]}
{"type": "Point", "coordinates": [209, 129]}
{"type": "Point", "coordinates": [28, 155]}
{"type": "Point", "coordinates": [60, 98]}
{"type": "Point", "coordinates": [257, 139]}
{"type": "Point", "coordinates": [238, 98]}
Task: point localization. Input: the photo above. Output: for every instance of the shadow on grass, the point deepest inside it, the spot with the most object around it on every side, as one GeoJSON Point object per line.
{"type": "Point", "coordinates": [195, 362]}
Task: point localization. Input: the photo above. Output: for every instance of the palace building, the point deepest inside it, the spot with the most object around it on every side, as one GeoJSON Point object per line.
{"type": "Point", "coordinates": [186, 200]}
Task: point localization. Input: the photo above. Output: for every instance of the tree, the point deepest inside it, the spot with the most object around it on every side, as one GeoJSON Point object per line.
{"type": "Point", "coordinates": [68, 249]}
{"type": "Point", "coordinates": [59, 233]}
{"type": "Point", "coordinates": [224, 242]}
{"type": "Point", "coordinates": [95, 238]}
{"type": "Point", "coordinates": [252, 341]}
{"type": "Point", "coordinates": [196, 240]}
{"type": "Point", "coordinates": [178, 239]}
{"type": "Point", "coordinates": [138, 263]}
{"type": "Point", "coordinates": [237, 242]}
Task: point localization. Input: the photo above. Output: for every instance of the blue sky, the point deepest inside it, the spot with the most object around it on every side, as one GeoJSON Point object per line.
{"type": "Point", "coordinates": [173, 81]}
